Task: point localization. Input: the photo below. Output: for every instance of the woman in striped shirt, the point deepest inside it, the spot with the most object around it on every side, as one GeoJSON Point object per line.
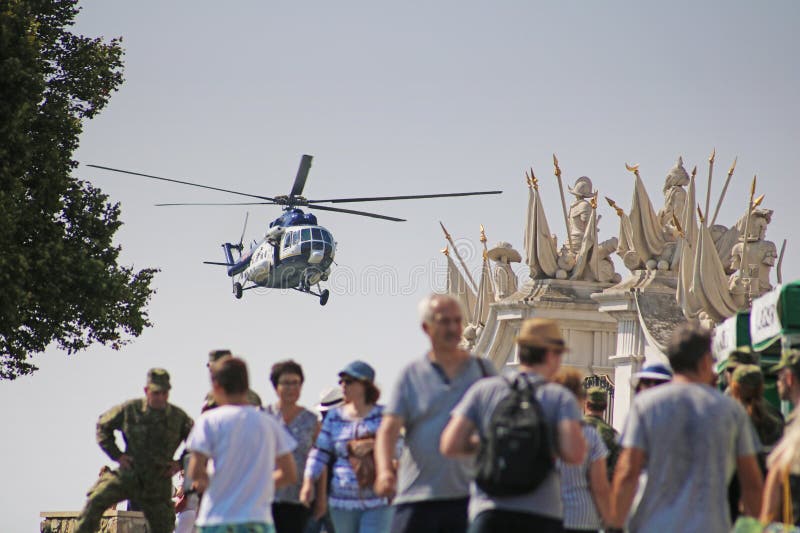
{"type": "Point", "coordinates": [585, 490]}
{"type": "Point", "coordinates": [354, 506]}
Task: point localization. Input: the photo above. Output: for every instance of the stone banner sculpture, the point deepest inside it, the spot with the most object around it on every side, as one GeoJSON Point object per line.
{"type": "Point", "coordinates": [715, 270]}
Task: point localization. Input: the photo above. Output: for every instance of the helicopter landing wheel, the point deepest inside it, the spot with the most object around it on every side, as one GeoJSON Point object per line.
{"type": "Point", "coordinates": [237, 290]}
{"type": "Point", "coordinates": [323, 297]}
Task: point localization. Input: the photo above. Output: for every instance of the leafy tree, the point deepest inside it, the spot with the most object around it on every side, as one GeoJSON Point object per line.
{"type": "Point", "coordinates": [59, 278]}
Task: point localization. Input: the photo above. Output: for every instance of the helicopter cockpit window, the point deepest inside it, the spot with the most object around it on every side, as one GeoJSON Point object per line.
{"type": "Point", "coordinates": [287, 240]}
{"type": "Point", "coordinates": [327, 237]}
{"type": "Point", "coordinates": [295, 237]}
{"type": "Point", "coordinates": [306, 235]}
{"type": "Point", "coordinates": [316, 234]}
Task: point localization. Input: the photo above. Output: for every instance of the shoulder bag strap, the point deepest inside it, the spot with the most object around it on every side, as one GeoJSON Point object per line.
{"type": "Point", "coordinates": [481, 363]}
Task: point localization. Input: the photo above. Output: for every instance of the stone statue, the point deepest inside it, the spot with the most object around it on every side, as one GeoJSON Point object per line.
{"type": "Point", "coordinates": [505, 281]}
{"type": "Point", "coordinates": [674, 200]}
{"type": "Point", "coordinates": [607, 273]}
{"type": "Point", "coordinates": [566, 262]}
{"type": "Point", "coordinates": [469, 337]}
{"type": "Point", "coordinates": [645, 233]}
{"type": "Point", "coordinates": [579, 212]}
{"type": "Point", "coordinates": [752, 274]}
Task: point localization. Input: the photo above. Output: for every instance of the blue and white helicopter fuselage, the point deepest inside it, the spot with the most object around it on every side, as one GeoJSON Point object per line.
{"type": "Point", "coordinates": [295, 253]}
{"type": "Point", "coordinates": [297, 256]}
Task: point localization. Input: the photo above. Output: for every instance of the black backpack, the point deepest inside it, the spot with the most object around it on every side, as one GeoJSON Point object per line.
{"type": "Point", "coordinates": [515, 455]}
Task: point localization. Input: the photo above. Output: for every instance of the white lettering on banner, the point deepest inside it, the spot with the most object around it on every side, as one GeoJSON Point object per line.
{"type": "Point", "coordinates": [724, 341]}
{"type": "Point", "coordinates": [764, 321]}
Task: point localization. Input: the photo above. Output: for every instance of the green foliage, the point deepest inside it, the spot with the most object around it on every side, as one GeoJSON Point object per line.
{"type": "Point", "coordinates": [59, 278]}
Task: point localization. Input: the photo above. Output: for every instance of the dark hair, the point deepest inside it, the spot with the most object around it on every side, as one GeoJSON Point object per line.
{"type": "Point", "coordinates": [752, 400]}
{"type": "Point", "coordinates": [597, 406]}
{"type": "Point", "coordinates": [531, 355]}
{"type": "Point", "coordinates": [689, 343]}
{"type": "Point", "coordinates": [280, 368]}
{"type": "Point", "coordinates": [371, 392]}
{"type": "Point", "coordinates": [231, 375]}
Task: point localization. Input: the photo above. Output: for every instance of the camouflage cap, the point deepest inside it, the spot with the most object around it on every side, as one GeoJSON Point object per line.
{"type": "Point", "coordinates": [741, 356]}
{"type": "Point", "coordinates": [158, 379]}
{"type": "Point", "coordinates": [597, 396]}
{"type": "Point", "coordinates": [216, 355]}
{"type": "Point", "coordinates": [789, 359]}
{"type": "Point", "coordinates": [748, 375]}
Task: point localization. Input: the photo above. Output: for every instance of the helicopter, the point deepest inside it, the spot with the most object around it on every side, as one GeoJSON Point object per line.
{"type": "Point", "coordinates": [295, 252]}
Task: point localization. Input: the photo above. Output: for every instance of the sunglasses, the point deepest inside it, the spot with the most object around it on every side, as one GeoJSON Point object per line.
{"type": "Point", "coordinates": [650, 382]}
{"type": "Point", "coordinates": [346, 381]}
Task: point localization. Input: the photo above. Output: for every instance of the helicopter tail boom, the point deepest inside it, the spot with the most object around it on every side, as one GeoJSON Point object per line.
{"type": "Point", "coordinates": [234, 267]}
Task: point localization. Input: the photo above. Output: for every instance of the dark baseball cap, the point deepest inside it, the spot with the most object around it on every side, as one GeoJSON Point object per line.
{"type": "Point", "coordinates": [359, 370]}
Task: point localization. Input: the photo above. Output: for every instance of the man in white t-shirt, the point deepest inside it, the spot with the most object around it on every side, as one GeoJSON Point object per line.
{"type": "Point", "coordinates": [251, 455]}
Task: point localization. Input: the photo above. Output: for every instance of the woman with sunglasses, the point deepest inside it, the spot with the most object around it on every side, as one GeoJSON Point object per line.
{"type": "Point", "coordinates": [289, 514]}
{"type": "Point", "coordinates": [344, 450]}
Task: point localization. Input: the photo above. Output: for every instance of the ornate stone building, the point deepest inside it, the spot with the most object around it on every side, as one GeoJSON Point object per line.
{"type": "Point", "coordinates": [679, 265]}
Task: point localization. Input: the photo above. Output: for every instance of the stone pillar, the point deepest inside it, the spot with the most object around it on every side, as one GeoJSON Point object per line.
{"type": "Point", "coordinates": [646, 312]}
{"type": "Point", "coordinates": [629, 352]}
{"type": "Point", "coordinates": [113, 522]}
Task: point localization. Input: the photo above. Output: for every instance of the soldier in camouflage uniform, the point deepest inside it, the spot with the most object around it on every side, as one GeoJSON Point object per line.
{"type": "Point", "coordinates": [152, 429]}
{"type": "Point", "coordinates": [596, 403]}
{"type": "Point", "coordinates": [740, 356]}
{"type": "Point", "coordinates": [210, 402]}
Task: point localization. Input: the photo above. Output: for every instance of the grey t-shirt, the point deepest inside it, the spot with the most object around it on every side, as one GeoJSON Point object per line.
{"type": "Point", "coordinates": [691, 435]}
{"type": "Point", "coordinates": [424, 397]}
{"type": "Point", "coordinates": [557, 403]}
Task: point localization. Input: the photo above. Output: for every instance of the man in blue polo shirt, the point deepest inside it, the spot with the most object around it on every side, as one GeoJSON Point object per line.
{"type": "Point", "coordinates": [432, 490]}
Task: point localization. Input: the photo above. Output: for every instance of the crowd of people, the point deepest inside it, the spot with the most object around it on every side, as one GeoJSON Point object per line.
{"type": "Point", "coordinates": [460, 447]}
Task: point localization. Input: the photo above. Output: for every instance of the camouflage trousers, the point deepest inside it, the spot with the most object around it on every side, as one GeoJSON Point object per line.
{"type": "Point", "coordinates": [152, 492]}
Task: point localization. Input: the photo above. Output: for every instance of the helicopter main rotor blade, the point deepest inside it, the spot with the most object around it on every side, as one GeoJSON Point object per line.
{"type": "Point", "coordinates": [225, 203]}
{"type": "Point", "coordinates": [351, 212]}
{"type": "Point", "coordinates": [407, 197]}
{"type": "Point", "coordinates": [182, 182]}
{"type": "Point", "coordinates": [302, 175]}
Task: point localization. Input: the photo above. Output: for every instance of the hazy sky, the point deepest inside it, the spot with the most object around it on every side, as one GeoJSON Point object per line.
{"type": "Point", "coordinates": [402, 98]}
